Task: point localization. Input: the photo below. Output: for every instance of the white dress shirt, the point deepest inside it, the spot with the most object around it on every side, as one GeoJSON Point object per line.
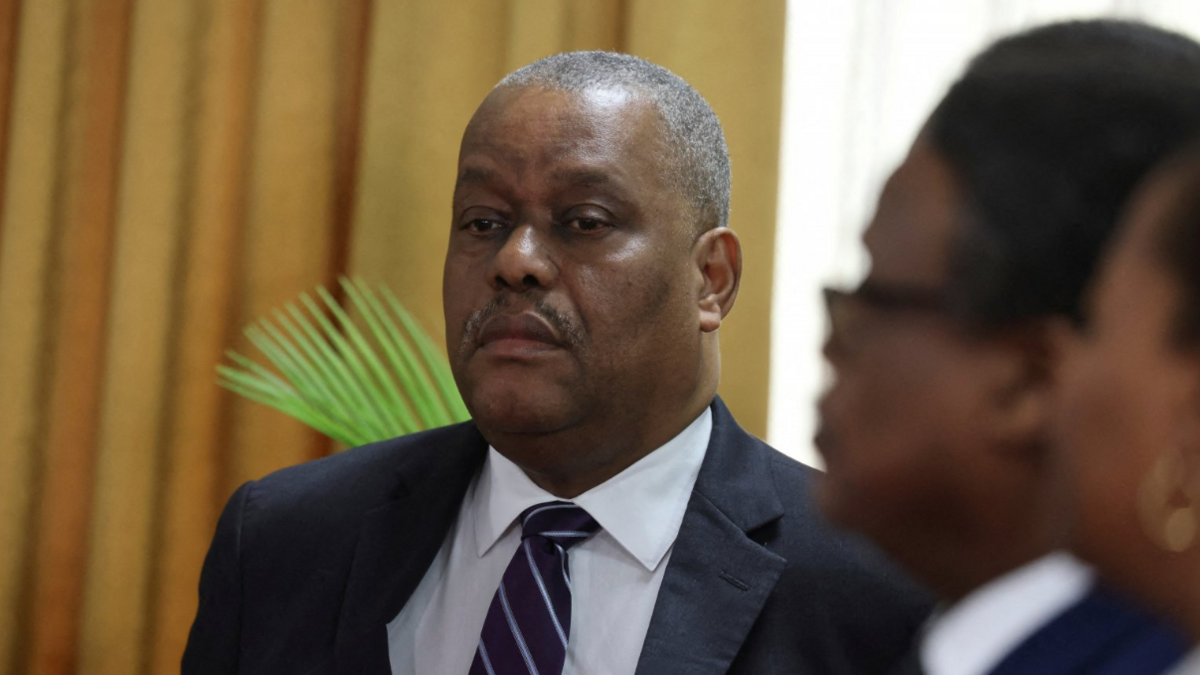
{"type": "Point", "coordinates": [972, 636]}
{"type": "Point", "coordinates": [615, 575]}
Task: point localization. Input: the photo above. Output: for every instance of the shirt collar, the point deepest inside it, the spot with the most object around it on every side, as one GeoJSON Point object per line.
{"type": "Point", "coordinates": [641, 508]}
{"type": "Point", "coordinates": [973, 635]}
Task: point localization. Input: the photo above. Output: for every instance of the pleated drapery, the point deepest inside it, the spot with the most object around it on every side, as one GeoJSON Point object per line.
{"type": "Point", "coordinates": [172, 170]}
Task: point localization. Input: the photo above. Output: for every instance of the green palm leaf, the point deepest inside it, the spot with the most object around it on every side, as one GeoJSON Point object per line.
{"type": "Point", "coordinates": [368, 373]}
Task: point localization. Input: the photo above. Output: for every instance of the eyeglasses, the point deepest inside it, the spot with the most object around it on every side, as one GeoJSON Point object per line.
{"type": "Point", "coordinates": [848, 321]}
{"type": "Point", "coordinates": [890, 297]}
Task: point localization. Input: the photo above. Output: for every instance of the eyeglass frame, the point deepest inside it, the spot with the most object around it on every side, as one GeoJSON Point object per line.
{"type": "Point", "coordinates": [888, 297]}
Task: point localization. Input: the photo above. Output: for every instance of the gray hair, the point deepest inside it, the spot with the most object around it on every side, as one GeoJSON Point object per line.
{"type": "Point", "coordinates": [699, 164]}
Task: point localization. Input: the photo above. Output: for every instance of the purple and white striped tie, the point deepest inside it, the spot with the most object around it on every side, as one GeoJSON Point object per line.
{"type": "Point", "coordinates": [529, 621]}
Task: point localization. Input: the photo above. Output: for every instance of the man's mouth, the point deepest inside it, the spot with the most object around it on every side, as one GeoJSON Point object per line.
{"type": "Point", "coordinates": [518, 335]}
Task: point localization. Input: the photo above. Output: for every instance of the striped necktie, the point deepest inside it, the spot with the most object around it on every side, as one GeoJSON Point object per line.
{"type": "Point", "coordinates": [529, 621]}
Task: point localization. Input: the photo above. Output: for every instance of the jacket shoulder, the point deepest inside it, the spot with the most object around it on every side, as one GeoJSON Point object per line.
{"type": "Point", "coordinates": [304, 508]}
{"type": "Point", "coordinates": [361, 478]}
{"type": "Point", "coordinates": [277, 569]}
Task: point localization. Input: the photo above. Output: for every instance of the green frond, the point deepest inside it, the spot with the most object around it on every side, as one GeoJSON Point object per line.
{"type": "Point", "coordinates": [431, 357]}
{"type": "Point", "coordinates": [357, 373]}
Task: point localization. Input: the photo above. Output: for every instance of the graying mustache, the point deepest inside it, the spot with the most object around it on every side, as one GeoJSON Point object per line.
{"type": "Point", "coordinates": [562, 325]}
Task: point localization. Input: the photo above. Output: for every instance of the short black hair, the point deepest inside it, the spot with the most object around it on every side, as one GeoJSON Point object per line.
{"type": "Point", "coordinates": [1048, 132]}
{"type": "Point", "coordinates": [697, 165]}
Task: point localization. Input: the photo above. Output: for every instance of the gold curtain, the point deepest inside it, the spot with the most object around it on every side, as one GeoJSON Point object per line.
{"type": "Point", "coordinates": [172, 170]}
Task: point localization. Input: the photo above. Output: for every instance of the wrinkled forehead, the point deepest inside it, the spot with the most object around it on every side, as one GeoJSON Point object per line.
{"type": "Point", "coordinates": [522, 119]}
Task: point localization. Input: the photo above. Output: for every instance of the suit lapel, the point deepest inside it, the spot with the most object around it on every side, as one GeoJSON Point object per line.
{"type": "Point", "coordinates": [718, 577]}
{"type": "Point", "coordinates": [396, 544]}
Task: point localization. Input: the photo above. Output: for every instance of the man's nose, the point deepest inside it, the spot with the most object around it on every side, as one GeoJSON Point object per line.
{"type": "Point", "coordinates": [524, 261]}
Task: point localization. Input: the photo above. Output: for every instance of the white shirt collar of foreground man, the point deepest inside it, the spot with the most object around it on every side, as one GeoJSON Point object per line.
{"type": "Point", "coordinates": [641, 507]}
{"type": "Point", "coordinates": [616, 574]}
{"type": "Point", "coordinates": [973, 635]}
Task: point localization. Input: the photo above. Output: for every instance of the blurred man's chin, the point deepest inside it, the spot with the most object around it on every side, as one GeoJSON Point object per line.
{"type": "Point", "coordinates": [830, 498]}
{"type": "Point", "coordinates": [837, 503]}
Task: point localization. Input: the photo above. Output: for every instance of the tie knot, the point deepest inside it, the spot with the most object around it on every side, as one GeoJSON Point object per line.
{"type": "Point", "coordinates": [563, 523]}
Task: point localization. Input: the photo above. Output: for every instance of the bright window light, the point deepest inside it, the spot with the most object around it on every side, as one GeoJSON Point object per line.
{"type": "Point", "coordinates": [860, 76]}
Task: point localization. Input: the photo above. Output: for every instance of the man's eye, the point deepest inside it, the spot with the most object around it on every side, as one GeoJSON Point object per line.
{"type": "Point", "coordinates": [484, 225]}
{"type": "Point", "coordinates": [586, 224]}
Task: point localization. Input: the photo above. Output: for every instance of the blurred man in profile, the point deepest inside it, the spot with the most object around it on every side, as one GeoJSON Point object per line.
{"type": "Point", "coordinates": [603, 512]}
{"type": "Point", "coordinates": [935, 431]}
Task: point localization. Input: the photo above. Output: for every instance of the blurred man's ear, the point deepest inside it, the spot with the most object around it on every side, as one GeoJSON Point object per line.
{"type": "Point", "coordinates": [718, 258]}
{"type": "Point", "coordinates": [1026, 393]}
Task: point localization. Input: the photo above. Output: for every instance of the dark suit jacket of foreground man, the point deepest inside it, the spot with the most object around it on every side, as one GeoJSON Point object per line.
{"type": "Point", "coordinates": [309, 565]}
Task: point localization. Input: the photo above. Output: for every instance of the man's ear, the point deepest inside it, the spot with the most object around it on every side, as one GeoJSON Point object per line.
{"type": "Point", "coordinates": [718, 258]}
{"type": "Point", "coordinates": [1027, 392]}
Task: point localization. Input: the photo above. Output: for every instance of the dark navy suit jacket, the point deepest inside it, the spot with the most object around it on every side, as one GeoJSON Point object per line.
{"type": "Point", "coordinates": [1102, 634]}
{"type": "Point", "coordinates": [309, 564]}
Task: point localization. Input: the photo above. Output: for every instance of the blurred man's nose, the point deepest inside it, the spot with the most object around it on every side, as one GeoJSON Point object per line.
{"type": "Point", "coordinates": [524, 261]}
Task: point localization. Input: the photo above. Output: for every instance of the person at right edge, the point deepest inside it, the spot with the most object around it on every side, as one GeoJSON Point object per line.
{"type": "Point", "coordinates": [1129, 426]}
{"type": "Point", "coordinates": [936, 430]}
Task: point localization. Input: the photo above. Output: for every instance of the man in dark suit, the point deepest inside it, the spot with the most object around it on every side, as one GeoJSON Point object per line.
{"type": "Point", "coordinates": [936, 430]}
{"type": "Point", "coordinates": [603, 512]}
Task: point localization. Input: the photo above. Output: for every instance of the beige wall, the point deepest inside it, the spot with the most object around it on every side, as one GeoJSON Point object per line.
{"type": "Point", "coordinates": [172, 170]}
